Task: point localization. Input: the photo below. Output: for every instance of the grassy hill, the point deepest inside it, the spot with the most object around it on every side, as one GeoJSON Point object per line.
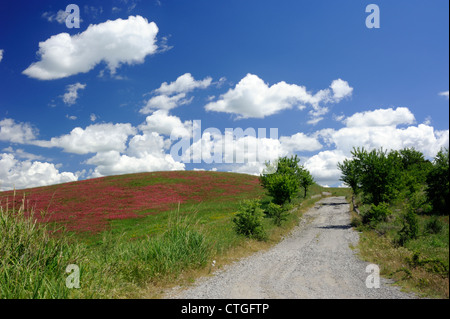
{"type": "Point", "coordinates": [92, 205]}
{"type": "Point", "coordinates": [130, 235]}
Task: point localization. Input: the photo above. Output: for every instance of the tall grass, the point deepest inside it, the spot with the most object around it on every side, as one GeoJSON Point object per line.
{"type": "Point", "coordinates": [32, 264]}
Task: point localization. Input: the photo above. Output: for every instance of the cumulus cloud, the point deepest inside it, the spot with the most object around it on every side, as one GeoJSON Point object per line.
{"type": "Point", "coordinates": [183, 84]}
{"type": "Point", "coordinates": [323, 166]}
{"type": "Point", "coordinates": [300, 142]}
{"type": "Point", "coordinates": [172, 95]}
{"type": "Point", "coordinates": [94, 138]}
{"type": "Point", "coordinates": [13, 132]}
{"type": "Point", "coordinates": [381, 117]}
{"type": "Point", "coordinates": [71, 96]}
{"type": "Point", "coordinates": [163, 123]}
{"type": "Point", "coordinates": [1, 54]}
{"type": "Point", "coordinates": [23, 174]}
{"type": "Point", "coordinates": [340, 89]}
{"type": "Point", "coordinates": [164, 102]}
{"type": "Point", "coordinates": [113, 42]}
{"type": "Point", "coordinates": [113, 163]}
{"type": "Point", "coordinates": [253, 98]}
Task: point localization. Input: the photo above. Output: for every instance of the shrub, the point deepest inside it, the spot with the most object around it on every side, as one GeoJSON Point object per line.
{"type": "Point", "coordinates": [376, 214]}
{"type": "Point", "coordinates": [278, 213]}
{"type": "Point", "coordinates": [248, 221]}
{"type": "Point", "coordinates": [410, 229]}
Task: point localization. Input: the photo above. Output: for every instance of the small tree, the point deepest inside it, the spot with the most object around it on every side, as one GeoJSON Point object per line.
{"type": "Point", "coordinates": [282, 180]}
{"type": "Point", "coordinates": [379, 174]}
{"type": "Point", "coordinates": [248, 221]}
{"type": "Point", "coordinates": [350, 175]}
{"type": "Point", "coordinates": [306, 180]}
{"type": "Point", "coordinates": [278, 213]}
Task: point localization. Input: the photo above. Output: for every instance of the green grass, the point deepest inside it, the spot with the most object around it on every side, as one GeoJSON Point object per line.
{"type": "Point", "coordinates": [421, 265]}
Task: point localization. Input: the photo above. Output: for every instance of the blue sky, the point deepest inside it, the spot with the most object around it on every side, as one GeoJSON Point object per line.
{"type": "Point", "coordinates": [105, 98]}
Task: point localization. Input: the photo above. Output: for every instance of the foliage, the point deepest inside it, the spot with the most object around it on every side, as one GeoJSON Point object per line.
{"type": "Point", "coordinates": [379, 174]}
{"type": "Point", "coordinates": [32, 264]}
{"type": "Point", "coordinates": [438, 183]}
{"type": "Point", "coordinates": [278, 213]}
{"type": "Point", "coordinates": [284, 178]}
{"type": "Point", "coordinates": [376, 214]}
{"type": "Point", "coordinates": [306, 180]}
{"type": "Point", "coordinates": [350, 174]}
{"type": "Point", "coordinates": [249, 220]}
{"type": "Point", "coordinates": [410, 229]}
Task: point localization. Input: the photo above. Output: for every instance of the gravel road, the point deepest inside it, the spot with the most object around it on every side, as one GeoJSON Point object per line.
{"type": "Point", "coordinates": [314, 261]}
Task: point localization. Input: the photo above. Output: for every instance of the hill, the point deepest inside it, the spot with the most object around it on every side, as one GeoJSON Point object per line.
{"type": "Point", "coordinates": [91, 205]}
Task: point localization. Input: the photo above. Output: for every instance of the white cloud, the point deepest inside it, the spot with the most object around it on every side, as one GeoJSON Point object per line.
{"type": "Point", "coordinates": [444, 94]}
{"type": "Point", "coordinates": [94, 138]}
{"type": "Point", "coordinates": [172, 95]}
{"type": "Point", "coordinates": [1, 54]}
{"type": "Point", "coordinates": [164, 102]}
{"type": "Point", "coordinates": [113, 163]}
{"type": "Point", "coordinates": [340, 89]}
{"type": "Point", "coordinates": [381, 117]}
{"type": "Point", "coordinates": [114, 42]}
{"type": "Point", "coordinates": [20, 153]}
{"type": "Point", "coordinates": [13, 132]}
{"type": "Point", "coordinates": [300, 142]}
{"type": "Point", "coordinates": [252, 98]}
{"type": "Point", "coordinates": [23, 174]}
{"type": "Point", "coordinates": [323, 166]}
{"type": "Point", "coordinates": [163, 123]}
{"type": "Point", "coordinates": [183, 84]}
{"type": "Point", "coordinates": [93, 117]}
{"type": "Point", "coordinates": [71, 96]}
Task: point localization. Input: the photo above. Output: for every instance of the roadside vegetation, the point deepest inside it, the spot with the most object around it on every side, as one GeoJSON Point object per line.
{"type": "Point", "coordinates": [401, 207]}
{"type": "Point", "coordinates": [140, 253]}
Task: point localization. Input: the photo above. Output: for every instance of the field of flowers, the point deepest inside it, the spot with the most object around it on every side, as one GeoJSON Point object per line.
{"type": "Point", "coordinates": [90, 205]}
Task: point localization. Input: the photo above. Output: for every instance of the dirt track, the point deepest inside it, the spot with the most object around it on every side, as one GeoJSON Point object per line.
{"type": "Point", "coordinates": [314, 261]}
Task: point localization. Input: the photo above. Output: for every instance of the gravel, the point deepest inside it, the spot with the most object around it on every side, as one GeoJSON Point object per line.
{"type": "Point", "coordinates": [314, 261]}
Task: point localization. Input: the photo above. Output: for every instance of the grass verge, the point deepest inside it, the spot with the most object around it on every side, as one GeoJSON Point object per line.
{"type": "Point", "coordinates": [421, 265]}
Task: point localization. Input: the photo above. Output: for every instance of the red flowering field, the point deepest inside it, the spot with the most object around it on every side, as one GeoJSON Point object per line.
{"type": "Point", "coordinates": [90, 205]}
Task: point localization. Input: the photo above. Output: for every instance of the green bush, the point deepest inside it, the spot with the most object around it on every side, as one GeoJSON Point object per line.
{"type": "Point", "coordinates": [410, 229]}
{"type": "Point", "coordinates": [278, 213]}
{"type": "Point", "coordinates": [376, 213]}
{"type": "Point", "coordinates": [249, 220]}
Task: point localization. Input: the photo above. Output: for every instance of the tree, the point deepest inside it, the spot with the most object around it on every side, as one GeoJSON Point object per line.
{"type": "Point", "coordinates": [306, 180]}
{"type": "Point", "coordinates": [414, 170]}
{"type": "Point", "coordinates": [379, 174]}
{"type": "Point", "coordinates": [284, 179]}
{"type": "Point", "coordinates": [350, 175]}
{"type": "Point", "coordinates": [437, 183]}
